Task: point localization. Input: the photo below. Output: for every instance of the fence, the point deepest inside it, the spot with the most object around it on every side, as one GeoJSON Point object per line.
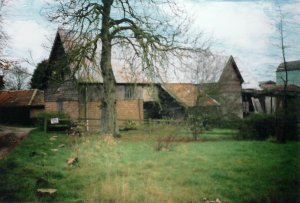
{"type": "Point", "coordinates": [92, 124]}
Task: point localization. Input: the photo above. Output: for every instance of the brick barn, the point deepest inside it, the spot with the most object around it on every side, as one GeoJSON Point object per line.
{"type": "Point", "coordinates": [138, 97]}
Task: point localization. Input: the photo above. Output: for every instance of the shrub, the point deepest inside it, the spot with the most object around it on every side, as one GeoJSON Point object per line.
{"type": "Point", "coordinates": [64, 120]}
{"type": "Point", "coordinates": [76, 128]}
{"type": "Point", "coordinates": [287, 124]}
{"type": "Point", "coordinates": [129, 125]}
{"type": "Point", "coordinates": [257, 126]}
{"type": "Point", "coordinates": [201, 118]}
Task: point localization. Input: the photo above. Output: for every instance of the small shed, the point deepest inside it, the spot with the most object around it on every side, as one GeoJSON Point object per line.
{"type": "Point", "coordinates": [21, 106]}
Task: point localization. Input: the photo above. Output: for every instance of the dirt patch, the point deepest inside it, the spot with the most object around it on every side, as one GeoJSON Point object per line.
{"type": "Point", "coordinates": [10, 137]}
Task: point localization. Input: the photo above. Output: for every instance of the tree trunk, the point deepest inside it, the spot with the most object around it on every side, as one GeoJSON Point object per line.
{"type": "Point", "coordinates": [108, 114]}
{"type": "Point", "coordinates": [281, 129]}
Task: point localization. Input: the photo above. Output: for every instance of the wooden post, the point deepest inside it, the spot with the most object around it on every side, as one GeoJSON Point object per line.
{"type": "Point", "coordinates": [139, 108]}
{"type": "Point", "coordinates": [150, 126]}
{"type": "Point", "coordinates": [45, 123]}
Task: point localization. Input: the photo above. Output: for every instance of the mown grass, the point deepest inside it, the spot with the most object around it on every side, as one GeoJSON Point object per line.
{"type": "Point", "coordinates": [130, 169]}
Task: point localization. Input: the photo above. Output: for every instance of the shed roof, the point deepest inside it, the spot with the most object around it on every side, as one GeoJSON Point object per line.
{"type": "Point", "coordinates": [187, 94]}
{"type": "Point", "coordinates": [291, 65]}
{"type": "Point", "coordinates": [22, 98]}
{"type": "Point", "coordinates": [289, 88]}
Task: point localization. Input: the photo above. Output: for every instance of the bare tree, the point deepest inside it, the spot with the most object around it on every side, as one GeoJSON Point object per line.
{"type": "Point", "coordinates": [17, 78]}
{"type": "Point", "coordinates": [282, 46]}
{"type": "Point", "coordinates": [283, 21]}
{"type": "Point", "coordinates": [154, 31]}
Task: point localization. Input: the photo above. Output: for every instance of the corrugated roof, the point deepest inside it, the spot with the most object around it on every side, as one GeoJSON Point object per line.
{"type": "Point", "coordinates": [187, 94]}
{"type": "Point", "coordinates": [289, 88]}
{"type": "Point", "coordinates": [291, 65]}
{"type": "Point", "coordinates": [250, 81]}
{"type": "Point", "coordinates": [21, 98]}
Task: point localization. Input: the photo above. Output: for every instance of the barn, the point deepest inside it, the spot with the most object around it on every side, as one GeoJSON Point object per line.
{"type": "Point", "coordinates": [137, 95]}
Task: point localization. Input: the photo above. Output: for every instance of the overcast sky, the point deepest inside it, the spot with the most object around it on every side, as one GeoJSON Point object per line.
{"type": "Point", "coordinates": [242, 28]}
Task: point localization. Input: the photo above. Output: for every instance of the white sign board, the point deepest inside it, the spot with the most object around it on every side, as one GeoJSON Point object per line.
{"type": "Point", "coordinates": [54, 120]}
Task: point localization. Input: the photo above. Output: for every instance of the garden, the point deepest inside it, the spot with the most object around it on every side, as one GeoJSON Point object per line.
{"type": "Point", "coordinates": [157, 163]}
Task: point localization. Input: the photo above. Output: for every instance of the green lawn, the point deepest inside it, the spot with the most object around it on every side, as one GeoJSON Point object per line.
{"type": "Point", "coordinates": [131, 169]}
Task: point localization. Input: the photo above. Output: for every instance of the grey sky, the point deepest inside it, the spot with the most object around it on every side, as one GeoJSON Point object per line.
{"type": "Point", "coordinates": [244, 29]}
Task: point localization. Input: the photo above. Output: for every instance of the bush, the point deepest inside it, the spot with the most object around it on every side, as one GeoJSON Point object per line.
{"type": "Point", "coordinates": [257, 127]}
{"type": "Point", "coordinates": [64, 120]}
{"type": "Point", "coordinates": [288, 125]}
{"type": "Point", "coordinates": [232, 123]}
{"type": "Point", "coordinates": [129, 125]}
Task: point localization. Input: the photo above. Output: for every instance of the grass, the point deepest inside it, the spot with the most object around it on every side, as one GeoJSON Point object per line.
{"type": "Point", "coordinates": [130, 169]}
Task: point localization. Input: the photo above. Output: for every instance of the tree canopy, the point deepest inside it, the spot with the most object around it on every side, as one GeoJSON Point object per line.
{"type": "Point", "coordinates": [40, 76]}
{"type": "Point", "coordinates": [152, 32]}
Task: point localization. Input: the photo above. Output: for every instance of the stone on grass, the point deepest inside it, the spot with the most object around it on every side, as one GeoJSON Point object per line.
{"type": "Point", "coordinates": [72, 161]}
{"type": "Point", "coordinates": [46, 191]}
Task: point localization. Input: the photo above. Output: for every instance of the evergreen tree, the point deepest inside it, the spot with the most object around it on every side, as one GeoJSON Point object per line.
{"type": "Point", "coordinates": [40, 76]}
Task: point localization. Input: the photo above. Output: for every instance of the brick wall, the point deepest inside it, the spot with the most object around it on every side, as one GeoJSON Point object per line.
{"type": "Point", "coordinates": [126, 110]}
{"type": "Point", "coordinates": [130, 110]}
{"type": "Point", "coordinates": [71, 108]}
{"type": "Point", "coordinates": [93, 115]}
{"type": "Point", "coordinates": [50, 106]}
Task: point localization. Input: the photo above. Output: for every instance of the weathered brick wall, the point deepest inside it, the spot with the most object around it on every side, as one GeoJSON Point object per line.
{"type": "Point", "coordinates": [71, 108]}
{"type": "Point", "coordinates": [50, 106]}
{"type": "Point", "coordinates": [130, 110]}
{"type": "Point", "coordinates": [93, 115]}
{"type": "Point", "coordinates": [126, 110]}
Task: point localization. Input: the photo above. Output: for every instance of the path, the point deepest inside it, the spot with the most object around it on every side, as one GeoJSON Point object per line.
{"type": "Point", "coordinates": [10, 137]}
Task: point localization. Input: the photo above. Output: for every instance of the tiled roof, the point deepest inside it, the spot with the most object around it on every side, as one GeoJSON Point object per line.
{"type": "Point", "coordinates": [291, 65]}
{"type": "Point", "coordinates": [21, 98]}
{"type": "Point", "coordinates": [186, 94]}
{"type": "Point", "coordinates": [192, 67]}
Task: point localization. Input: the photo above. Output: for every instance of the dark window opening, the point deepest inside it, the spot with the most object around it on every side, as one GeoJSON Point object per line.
{"type": "Point", "coordinates": [129, 92]}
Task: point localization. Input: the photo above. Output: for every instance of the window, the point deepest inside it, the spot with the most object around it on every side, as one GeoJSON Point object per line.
{"type": "Point", "coordinates": [129, 92]}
